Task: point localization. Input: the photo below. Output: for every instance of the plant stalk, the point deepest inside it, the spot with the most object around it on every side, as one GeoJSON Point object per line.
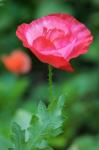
{"type": "Point", "coordinates": [50, 75]}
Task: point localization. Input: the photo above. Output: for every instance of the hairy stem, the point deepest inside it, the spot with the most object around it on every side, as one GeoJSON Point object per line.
{"type": "Point", "coordinates": [50, 75]}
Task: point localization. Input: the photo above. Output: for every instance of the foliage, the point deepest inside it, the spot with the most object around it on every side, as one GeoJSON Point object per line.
{"type": "Point", "coordinates": [85, 143]}
{"type": "Point", "coordinates": [11, 88]}
{"type": "Point", "coordinates": [46, 123]}
{"type": "Point", "coordinates": [1, 2]}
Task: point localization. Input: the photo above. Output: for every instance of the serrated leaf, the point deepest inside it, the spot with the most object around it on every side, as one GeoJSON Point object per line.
{"type": "Point", "coordinates": [42, 111]}
{"type": "Point", "coordinates": [45, 123]}
{"type": "Point", "coordinates": [18, 137]}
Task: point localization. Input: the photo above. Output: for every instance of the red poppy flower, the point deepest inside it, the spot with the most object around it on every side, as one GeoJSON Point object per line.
{"type": "Point", "coordinates": [56, 39]}
{"type": "Point", "coordinates": [17, 62]}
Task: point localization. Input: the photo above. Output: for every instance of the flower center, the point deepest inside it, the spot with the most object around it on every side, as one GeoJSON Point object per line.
{"type": "Point", "coordinates": [53, 34]}
{"type": "Point", "coordinates": [57, 36]}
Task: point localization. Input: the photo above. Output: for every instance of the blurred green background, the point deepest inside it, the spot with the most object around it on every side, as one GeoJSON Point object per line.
{"type": "Point", "coordinates": [19, 95]}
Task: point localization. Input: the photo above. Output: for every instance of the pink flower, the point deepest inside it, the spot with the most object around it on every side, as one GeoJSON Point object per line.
{"type": "Point", "coordinates": [17, 62]}
{"type": "Point", "coordinates": [56, 39]}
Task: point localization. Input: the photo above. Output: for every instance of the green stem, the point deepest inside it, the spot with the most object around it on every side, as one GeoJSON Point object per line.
{"type": "Point", "coordinates": [50, 81]}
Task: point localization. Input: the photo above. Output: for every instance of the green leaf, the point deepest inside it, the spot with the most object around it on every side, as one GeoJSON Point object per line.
{"type": "Point", "coordinates": [23, 118]}
{"type": "Point", "coordinates": [1, 2]}
{"type": "Point", "coordinates": [18, 137]}
{"type": "Point", "coordinates": [4, 143]}
{"type": "Point", "coordinates": [11, 94]}
{"type": "Point", "coordinates": [45, 123]}
{"type": "Point", "coordinates": [85, 143]}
